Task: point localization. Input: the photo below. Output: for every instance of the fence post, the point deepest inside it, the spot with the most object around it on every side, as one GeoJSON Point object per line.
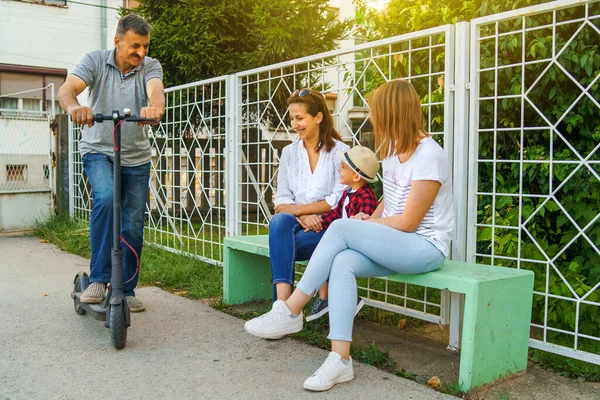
{"type": "Point", "coordinates": [461, 141]}
{"type": "Point", "coordinates": [232, 163]}
{"type": "Point", "coordinates": [62, 177]}
{"type": "Point", "coordinates": [460, 166]}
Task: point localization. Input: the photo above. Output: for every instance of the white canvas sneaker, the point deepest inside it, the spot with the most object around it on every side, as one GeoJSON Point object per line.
{"type": "Point", "coordinates": [276, 323]}
{"type": "Point", "coordinates": [94, 293]}
{"type": "Point", "coordinates": [331, 372]}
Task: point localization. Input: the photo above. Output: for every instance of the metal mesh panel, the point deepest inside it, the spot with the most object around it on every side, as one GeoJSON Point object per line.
{"type": "Point", "coordinates": [81, 193]}
{"type": "Point", "coordinates": [345, 77]}
{"type": "Point", "coordinates": [25, 145]}
{"type": "Point", "coordinates": [536, 164]}
{"type": "Point", "coordinates": [186, 209]}
{"type": "Point", "coordinates": [187, 184]}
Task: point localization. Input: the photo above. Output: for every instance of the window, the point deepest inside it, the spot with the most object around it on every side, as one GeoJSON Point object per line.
{"type": "Point", "coordinates": [57, 108]}
{"type": "Point", "coordinates": [32, 105]}
{"type": "Point", "coordinates": [16, 172]}
{"type": "Point", "coordinates": [9, 103]}
{"type": "Point", "coordinates": [58, 3]}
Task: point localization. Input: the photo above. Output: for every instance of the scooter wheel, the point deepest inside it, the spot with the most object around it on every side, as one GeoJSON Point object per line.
{"type": "Point", "coordinates": [77, 288]}
{"type": "Point", "coordinates": [118, 330]}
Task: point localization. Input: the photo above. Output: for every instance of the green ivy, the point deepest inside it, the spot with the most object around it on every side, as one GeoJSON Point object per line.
{"type": "Point", "coordinates": [550, 161]}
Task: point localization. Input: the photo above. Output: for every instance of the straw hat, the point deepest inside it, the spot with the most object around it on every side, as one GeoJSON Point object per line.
{"type": "Point", "coordinates": [363, 161]}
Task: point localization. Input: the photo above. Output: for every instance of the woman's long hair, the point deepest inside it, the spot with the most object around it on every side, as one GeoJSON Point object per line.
{"type": "Point", "coordinates": [397, 118]}
{"type": "Point", "coordinates": [315, 103]}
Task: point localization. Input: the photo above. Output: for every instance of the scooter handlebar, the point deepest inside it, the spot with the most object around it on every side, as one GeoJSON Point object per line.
{"type": "Point", "coordinates": [134, 118]}
{"type": "Point", "coordinates": [101, 118]}
{"type": "Point", "coordinates": [131, 118]}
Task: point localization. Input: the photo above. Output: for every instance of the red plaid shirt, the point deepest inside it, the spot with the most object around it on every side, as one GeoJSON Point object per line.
{"type": "Point", "coordinates": [363, 200]}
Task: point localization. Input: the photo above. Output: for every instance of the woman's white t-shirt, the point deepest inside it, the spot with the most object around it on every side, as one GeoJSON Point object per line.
{"type": "Point", "coordinates": [296, 184]}
{"type": "Point", "coordinates": [428, 163]}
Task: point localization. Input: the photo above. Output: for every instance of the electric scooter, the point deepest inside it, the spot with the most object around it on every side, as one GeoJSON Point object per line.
{"type": "Point", "coordinates": [113, 310]}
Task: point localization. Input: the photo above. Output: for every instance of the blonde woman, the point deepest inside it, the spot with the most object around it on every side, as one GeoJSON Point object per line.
{"type": "Point", "coordinates": [409, 232]}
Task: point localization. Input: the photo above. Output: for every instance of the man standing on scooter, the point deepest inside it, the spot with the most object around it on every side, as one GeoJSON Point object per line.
{"type": "Point", "coordinates": [117, 79]}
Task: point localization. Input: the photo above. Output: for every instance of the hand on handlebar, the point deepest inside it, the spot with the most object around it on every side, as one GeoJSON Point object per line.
{"type": "Point", "coordinates": [81, 115]}
{"type": "Point", "coordinates": [150, 113]}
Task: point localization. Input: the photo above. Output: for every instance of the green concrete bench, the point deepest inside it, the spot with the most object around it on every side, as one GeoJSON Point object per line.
{"type": "Point", "coordinates": [497, 305]}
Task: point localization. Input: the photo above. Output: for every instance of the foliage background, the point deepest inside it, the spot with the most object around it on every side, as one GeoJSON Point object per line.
{"type": "Point", "coordinates": [200, 39]}
{"type": "Point", "coordinates": [551, 158]}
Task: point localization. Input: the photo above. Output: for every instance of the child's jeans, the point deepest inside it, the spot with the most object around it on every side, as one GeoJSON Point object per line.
{"type": "Point", "coordinates": [353, 249]}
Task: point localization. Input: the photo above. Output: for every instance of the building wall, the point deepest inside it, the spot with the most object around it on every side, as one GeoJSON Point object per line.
{"type": "Point", "coordinates": [53, 36]}
{"type": "Point", "coordinates": [56, 37]}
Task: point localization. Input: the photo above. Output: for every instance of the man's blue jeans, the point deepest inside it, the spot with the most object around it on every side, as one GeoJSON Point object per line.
{"type": "Point", "coordinates": [289, 243]}
{"type": "Point", "coordinates": [134, 194]}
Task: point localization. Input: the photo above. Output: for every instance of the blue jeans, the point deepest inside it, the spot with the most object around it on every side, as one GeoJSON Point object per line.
{"type": "Point", "coordinates": [289, 243]}
{"type": "Point", "coordinates": [354, 249]}
{"type": "Point", "coordinates": [134, 193]}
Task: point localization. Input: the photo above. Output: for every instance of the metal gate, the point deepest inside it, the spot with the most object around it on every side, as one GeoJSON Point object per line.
{"type": "Point", "coordinates": [25, 169]}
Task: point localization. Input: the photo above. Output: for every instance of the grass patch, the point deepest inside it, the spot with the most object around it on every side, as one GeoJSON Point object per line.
{"type": "Point", "coordinates": [172, 271]}
{"type": "Point", "coordinates": [566, 366]}
{"type": "Point", "coordinates": [376, 357]}
{"type": "Point", "coordinates": [68, 234]}
{"type": "Point", "coordinates": [194, 237]}
{"type": "Point", "coordinates": [180, 273]}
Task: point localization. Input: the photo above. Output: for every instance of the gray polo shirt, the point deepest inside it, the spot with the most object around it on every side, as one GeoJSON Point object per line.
{"type": "Point", "coordinates": [109, 90]}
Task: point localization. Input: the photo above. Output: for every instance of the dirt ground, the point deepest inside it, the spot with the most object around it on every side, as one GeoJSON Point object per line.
{"type": "Point", "coordinates": [422, 351]}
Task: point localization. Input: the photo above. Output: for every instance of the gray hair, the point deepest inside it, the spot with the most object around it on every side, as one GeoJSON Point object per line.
{"type": "Point", "coordinates": [133, 22]}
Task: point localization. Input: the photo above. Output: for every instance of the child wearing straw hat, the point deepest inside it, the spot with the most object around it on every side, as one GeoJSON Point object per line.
{"type": "Point", "coordinates": [358, 168]}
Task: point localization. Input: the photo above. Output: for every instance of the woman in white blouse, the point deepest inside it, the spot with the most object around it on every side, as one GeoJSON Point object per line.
{"type": "Point", "coordinates": [308, 184]}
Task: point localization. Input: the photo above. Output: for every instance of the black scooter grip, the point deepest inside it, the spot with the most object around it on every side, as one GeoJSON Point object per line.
{"type": "Point", "coordinates": [101, 118]}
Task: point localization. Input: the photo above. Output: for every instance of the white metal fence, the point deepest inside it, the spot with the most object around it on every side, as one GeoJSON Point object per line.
{"type": "Point", "coordinates": [216, 154]}
{"type": "Point", "coordinates": [80, 193]}
{"type": "Point", "coordinates": [187, 186]}
{"type": "Point", "coordinates": [345, 77]}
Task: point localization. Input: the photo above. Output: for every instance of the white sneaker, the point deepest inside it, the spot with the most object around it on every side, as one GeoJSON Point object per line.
{"type": "Point", "coordinates": [331, 372]}
{"type": "Point", "coordinates": [276, 323]}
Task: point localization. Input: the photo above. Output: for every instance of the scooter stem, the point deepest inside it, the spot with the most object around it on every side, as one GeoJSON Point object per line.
{"type": "Point", "coordinates": [117, 251]}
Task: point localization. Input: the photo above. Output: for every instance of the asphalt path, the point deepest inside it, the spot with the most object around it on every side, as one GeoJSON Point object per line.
{"type": "Point", "coordinates": [178, 349]}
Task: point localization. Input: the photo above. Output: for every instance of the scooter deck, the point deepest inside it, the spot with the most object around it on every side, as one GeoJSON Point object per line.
{"type": "Point", "coordinates": [98, 311]}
